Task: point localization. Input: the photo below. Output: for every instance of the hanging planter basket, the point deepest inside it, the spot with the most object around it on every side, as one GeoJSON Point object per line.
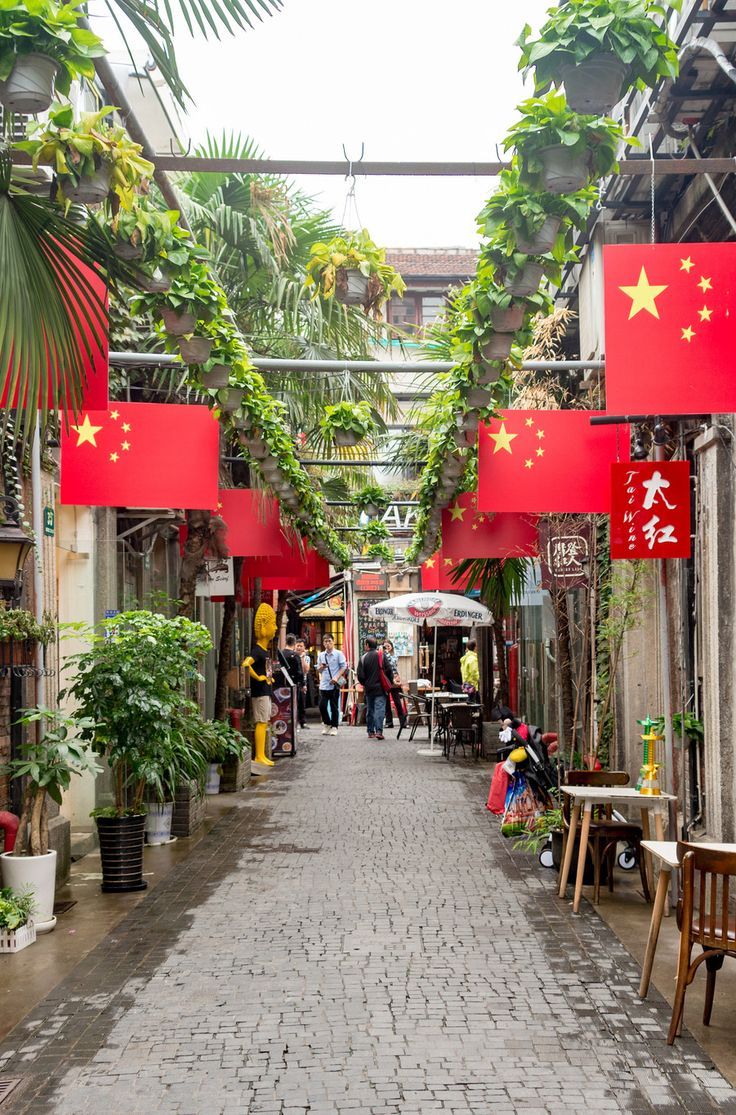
{"type": "Point", "coordinates": [595, 85]}
{"type": "Point", "coordinates": [178, 322]}
{"type": "Point", "coordinates": [562, 172]}
{"type": "Point", "coordinates": [195, 350]}
{"type": "Point", "coordinates": [230, 399]}
{"type": "Point", "coordinates": [218, 376]}
{"type": "Point", "coordinates": [121, 852]}
{"type": "Point", "coordinates": [509, 320]}
{"type": "Point", "coordinates": [526, 281]}
{"type": "Point", "coordinates": [17, 652]}
{"type": "Point", "coordinates": [543, 240]}
{"type": "Point", "coordinates": [126, 250]}
{"type": "Point", "coordinates": [351, 288]}
{"type": "Point", "coordinates": [346, 438]}
{"type": "Point", "coordinates": [497, 347]}
{"type": "Point", "coordinates": [258, 449]}
{"type": "Point", "coordinates": [479, 397]}
{"type": "Point", "coordinates": [30, 86]}
{"type": "Point", "coordinates": [157, 283]}
{"type": "Point", "coordinates": [490, 373]}
{"type": "Point", "coordinates": [91, 190]}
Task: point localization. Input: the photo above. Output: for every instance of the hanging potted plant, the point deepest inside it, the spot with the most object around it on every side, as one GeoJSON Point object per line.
{"type": "Point", "coordinates": [192, 296]}
{"type": "Point", "coordinates": [46, 767]}
{"type": "Point", "coordinates": [17, 929]}
{"type": "Point", "coordinates": [353, 269]}
{"type": "Point", "coordinates": [143, 232]}
{"type": "Point", "coordinates": [19, 634]}
{"type": "Point", "coordinates": [227, 350]}
{"type": "Point", "coordinates": [560, 151]}
{"type": "Point", "coordinates": [42, 47]}
{"type": "Point", "coordinates": [373, 533]}
{"type": "Point", "coordinates": [371, 498]}
{"type": "Point", "coordinates": [132, 682]}
{"type": "Point", "coordinates": [347, 424]}
{"type": "Point", "coordinates": [519, 220]}
{"type": "Point", "coordinates": [595, 46]}
{"type": "Point", "coordinates": [379, 551]}
{"type": "Point", "coordinates": [89, 156]}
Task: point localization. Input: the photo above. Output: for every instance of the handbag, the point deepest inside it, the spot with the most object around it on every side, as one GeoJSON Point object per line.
{"type": "Point", "coordinates": [386, 685]}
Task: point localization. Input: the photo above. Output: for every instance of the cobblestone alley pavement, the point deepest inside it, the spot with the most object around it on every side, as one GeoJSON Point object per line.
{"type": "Point", "coordinates": [356, 937]}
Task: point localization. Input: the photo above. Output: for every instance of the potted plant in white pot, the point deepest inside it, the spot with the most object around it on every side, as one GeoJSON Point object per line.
{"type": "Point", "coordinates": [17, 928]}
{"type": "Point", "coordinates": [353, 269]}
{"type": "Point", "coordinates": [347, 424]}
{"type": "Point", "coordinates": [46, 766]}
{"type": "Point", "coordinates": [221, 745]}
{"type": "Point", "coordinates": [560, 151]}
{"type": "Point", "coordinates": [90, 156]}
{"type": "Point", "coordinates": [132, 682]}
{"type": "Point", "coordinates": [595, 46]}
{"type": "Point", "coordinates": [372, 499]}
{"type": "Point", "coordinates": [43, 46]}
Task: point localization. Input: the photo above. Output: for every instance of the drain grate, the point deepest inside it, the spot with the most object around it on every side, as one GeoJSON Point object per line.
{"type": "Point", "coordinates": [64, 907]}
{"type": "Point", "coordinates": [7, 1086]}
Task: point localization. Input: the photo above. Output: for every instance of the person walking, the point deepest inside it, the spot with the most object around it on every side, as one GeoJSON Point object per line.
{"type": "Point", "coordinates": [395, 695]}
{"type": "Point", "coordinates": [305, 664]}
{"type": "Point", "coordinates": [332, 666]}
{"type": "Point", "coordinates": [369, 675]}
{"type": "Point", "coordinates": [294, 666]}
{"type": "Point", "coordinates": [469, 669]}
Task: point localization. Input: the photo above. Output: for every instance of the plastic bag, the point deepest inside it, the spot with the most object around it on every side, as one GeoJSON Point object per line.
{"type": "Point", "coordinates": [499, 787]}
{"type": "Point", "coordinates": [522, 808]}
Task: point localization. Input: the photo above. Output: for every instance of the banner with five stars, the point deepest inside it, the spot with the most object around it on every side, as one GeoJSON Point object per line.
{"type": "Point", "coordinates": [295, 568]}
{"type": "Point", "coordinates": [437, 574]}
{"type": "Point", "coordinates": [141, 455]}
{"type": "Point", "coordinates": [470, 533]}
{"type": "Point", "coordinates": [547, 461]}
{"type": "Point", "coordinates": [670, 332]}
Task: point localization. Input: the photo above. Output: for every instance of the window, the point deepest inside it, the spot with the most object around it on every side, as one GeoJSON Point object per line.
{"type": "Point", "coordinates": [403, 312]}
{"type": "Point", "coordinates": [432, 307]}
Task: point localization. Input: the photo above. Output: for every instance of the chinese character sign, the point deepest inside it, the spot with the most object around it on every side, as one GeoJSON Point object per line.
{"type": "Point", "coordinates": [650, 509]}
{"type": "Point", "coordinates": [564, 547]}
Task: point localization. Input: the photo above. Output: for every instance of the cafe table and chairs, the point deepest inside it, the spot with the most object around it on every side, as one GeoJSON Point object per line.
{"type": "Point", "coordinates": [584, 800]}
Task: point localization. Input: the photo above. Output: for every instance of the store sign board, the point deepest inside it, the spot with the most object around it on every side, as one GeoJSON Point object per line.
{"type": "Point", "coordinates": [650, 509]}
{"type": "Point", "coordinates": [564, 547]}
{"type": "Point", "coordinates": [217, 578]}
{"type": "Point", "coordinates": [371, 582]}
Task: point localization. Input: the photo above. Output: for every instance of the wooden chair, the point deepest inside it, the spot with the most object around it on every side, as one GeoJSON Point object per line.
{"type": "Point", "coordinates": [605, 832]}
{"type": "Point", "coordinates": [418, 714]}
{"type": "Point", "coordinates": [705, 917]}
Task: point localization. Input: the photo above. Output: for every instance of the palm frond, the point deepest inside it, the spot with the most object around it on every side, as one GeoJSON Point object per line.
{"type": "Point", "coordinates": [500, 581]}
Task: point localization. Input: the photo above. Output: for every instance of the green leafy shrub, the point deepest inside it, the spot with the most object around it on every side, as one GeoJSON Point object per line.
{"type": "Point", "coordinates": [16, 910]}
{"type": "Point", "coordinates": [45, 27]}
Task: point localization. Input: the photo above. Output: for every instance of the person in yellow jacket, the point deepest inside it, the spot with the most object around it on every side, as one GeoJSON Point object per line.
{"type": "Point", "coordinates": [469, 669]}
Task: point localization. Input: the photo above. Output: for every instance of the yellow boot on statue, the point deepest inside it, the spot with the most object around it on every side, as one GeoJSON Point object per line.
{"type": "Point", "coordinates": [260, 746]}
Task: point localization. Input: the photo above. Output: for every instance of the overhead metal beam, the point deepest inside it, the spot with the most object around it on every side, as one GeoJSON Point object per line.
{"type": "Point", "coordinates": [414, 367]}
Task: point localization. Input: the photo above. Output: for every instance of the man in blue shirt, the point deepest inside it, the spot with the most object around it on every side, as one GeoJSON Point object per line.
{"type": "Point", "coordinates": [332, 667]}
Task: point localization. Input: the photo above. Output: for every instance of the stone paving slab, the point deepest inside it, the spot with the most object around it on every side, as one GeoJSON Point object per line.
{"type": "Point", "coordinates": [357, 937]}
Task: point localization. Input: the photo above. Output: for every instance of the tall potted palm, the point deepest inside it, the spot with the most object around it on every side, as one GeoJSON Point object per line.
{"type": "Point", "coordinates": [133, 682]}
{"type": "Point", "coordinates": [46, 766]}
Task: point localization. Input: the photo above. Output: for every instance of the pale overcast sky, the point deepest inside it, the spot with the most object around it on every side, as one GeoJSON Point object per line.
{"type": "Point", "coordinates": [412, 79]}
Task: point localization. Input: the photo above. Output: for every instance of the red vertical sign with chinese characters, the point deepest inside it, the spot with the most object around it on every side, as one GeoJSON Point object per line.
{"type": "Point", "coordinates": [650, 509]}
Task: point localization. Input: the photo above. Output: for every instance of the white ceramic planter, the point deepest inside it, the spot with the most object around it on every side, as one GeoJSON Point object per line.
{"type": "Point", "coordinates": [356, 292]}
{"type": "Point", "coordinates": [562, 173]}
{"type": "Point", "coordinates": [213, 779]}
{"type": "Point", "coordinates": [36, 873]}
{"type": "Point", "coordinates": [158, 822]}
{"type": "Point", "coordinates": [178, 322]}
{"type": "Point", "coordinates": [196, 350]}
{"type": "Point", "coordinates": [526, 281]}
{"type": "Point", "coordinates": [346, 438]}
{"type": "Point", "coordinates": [508, 320]}
{"type": "Point", "coordinates": [595, 85]}
{"type": "Point", "coordinates": [91, 190]}
{"type": "Point", "coordinates": [543, 241]}
{"type": "Point", "coordinates": [30, 86]}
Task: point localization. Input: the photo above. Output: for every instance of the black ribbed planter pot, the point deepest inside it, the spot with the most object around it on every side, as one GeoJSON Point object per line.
{"type": "Point", "coordinates": [121, 852]}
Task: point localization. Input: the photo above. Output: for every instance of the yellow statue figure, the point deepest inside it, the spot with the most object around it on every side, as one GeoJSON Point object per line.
{"type": "Point", "coordinates": [259, 668]}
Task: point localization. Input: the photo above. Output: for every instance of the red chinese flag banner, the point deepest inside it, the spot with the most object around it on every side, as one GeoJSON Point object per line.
{"type": "Point", "coordinates": [550, 461]}
{"type": "Point", "coordinates": [437, 574]}
{"type": "Point", "coordinates": [141, 455]}
{"type": "Point", "coordinates": [670, 328]}
{"type": "Point", "coordinates": [252, 520]}
{"type": "Point", "coordinates": [650, 509]}
{"type": "Point", "coordinates": [470, 533]}
{"type": "Point", "coordinates": [294, 568]}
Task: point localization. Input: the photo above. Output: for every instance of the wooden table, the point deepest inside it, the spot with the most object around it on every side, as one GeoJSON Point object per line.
{"type": "Point", "coordinates": [665, 852]}
{"type": "Point", "coordinates": [583, 800]}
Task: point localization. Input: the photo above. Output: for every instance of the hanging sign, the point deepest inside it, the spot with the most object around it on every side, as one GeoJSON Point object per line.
{"type": "Point", "coordinates": [371, 582]}
{"type": "Point", "coordinates": [217, 578]}
{"type": "Point", "coordinates": [650, 509]}
{"type": "Point", "coordinates": [564, 547]}
{"type": "Point", "coordinates": [49, 521]}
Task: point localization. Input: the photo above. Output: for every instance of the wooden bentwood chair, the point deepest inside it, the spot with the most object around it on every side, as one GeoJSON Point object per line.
{"type": "Point", "coordinates": [705, 917]}
{"type": "Point", "coordinates": [605, 832]}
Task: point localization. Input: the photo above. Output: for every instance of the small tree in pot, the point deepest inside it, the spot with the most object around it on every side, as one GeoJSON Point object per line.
{"type": "Point", "coordinates": [133, 683]}
{"type": "Point", "coordinates": [47, 765]}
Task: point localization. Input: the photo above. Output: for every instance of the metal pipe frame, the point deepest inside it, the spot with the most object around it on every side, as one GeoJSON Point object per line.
{"type": "Point", "coordinates": [413, 367]}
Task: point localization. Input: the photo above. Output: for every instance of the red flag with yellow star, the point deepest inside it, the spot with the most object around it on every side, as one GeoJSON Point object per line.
{"type": "Point", "coordinates": [437, 574]}
{"type": "Point", "coordinates": [547, 461]}
{"type": "Point", "coordinates": [670, 328]}
{"type": "Point", "coordinates": [141, 455]}
{"type": "Point", "coordinates": [295, 567]}
{"type": "Point", "coordinates": [470, 533]}
{"type": "Point", "coordinates": [252, 520]}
